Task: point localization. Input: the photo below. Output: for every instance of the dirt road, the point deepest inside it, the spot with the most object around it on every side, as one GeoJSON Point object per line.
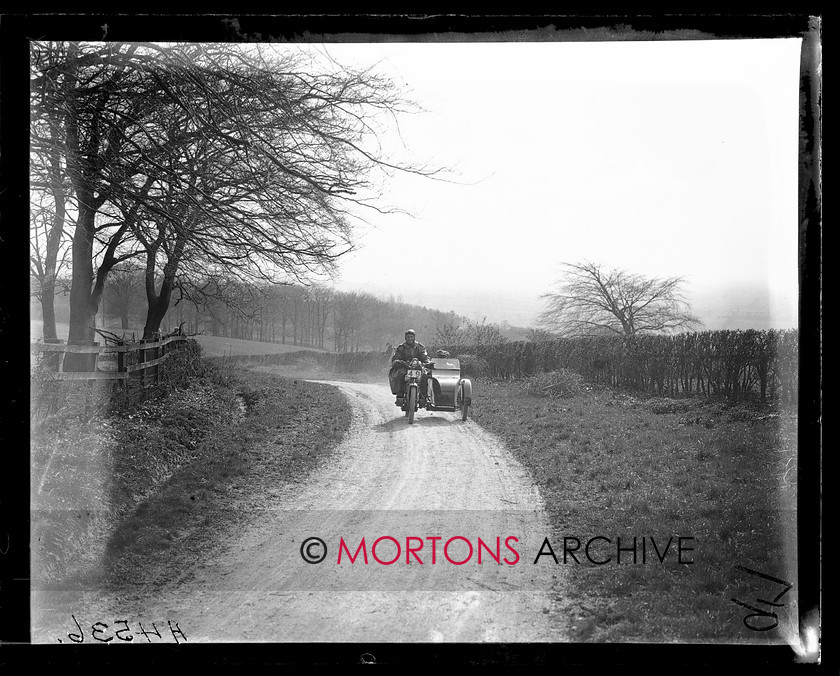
{"type": "Point", "coordinates": [439, 477]}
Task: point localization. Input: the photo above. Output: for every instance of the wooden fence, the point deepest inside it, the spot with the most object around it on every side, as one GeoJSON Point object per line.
{"type": "Point", "coordinates": [112, 362]}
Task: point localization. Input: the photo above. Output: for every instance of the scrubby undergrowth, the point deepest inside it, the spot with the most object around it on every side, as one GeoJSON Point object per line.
{"type": "Point", "coordinates": [118, 477]}
{"type": "Point", "coordinates": [284, 429]}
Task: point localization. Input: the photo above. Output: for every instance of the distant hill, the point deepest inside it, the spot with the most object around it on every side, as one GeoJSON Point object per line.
{"type": "Point", "coordinates": [722, 308]}
{"type": "Point", "coordinates": [744, 308]}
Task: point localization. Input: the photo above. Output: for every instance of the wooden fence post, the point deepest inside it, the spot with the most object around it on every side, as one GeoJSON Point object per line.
{"type": "Point", "coordinates": [163, 351]}
{"type": "Point", "coordinates": [141, 359]}
{"type": "Point", "coordinates": [158, 348]}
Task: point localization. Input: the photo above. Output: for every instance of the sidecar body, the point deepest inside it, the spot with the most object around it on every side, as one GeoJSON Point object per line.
{"type": "Point", "coordinates": [451, 391]}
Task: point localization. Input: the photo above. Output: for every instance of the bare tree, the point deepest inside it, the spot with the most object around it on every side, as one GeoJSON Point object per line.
{"type": "Point", "coordinates": [321, 303]}
{"type": "Point", "coordinates": [450, 334]}
{"type": "Point", "coordinates": [50, 192]}
{"type": "Point", "coordinates": [483, 334]}
{"type": "Point", "coordinates": [85, 103]}
{"type": "Point", "coordinates": [48, 257]}
{"type": "Point", "coordinates": [123, 293]}
{"type": "Point", "coordinates": [220, 159]}
{"type": "Point", "coordinates": [280, 310]}
{"type": "Point", "coordinates": [352, 312]}
{"type": "Point", "coordinates": [595, 300]}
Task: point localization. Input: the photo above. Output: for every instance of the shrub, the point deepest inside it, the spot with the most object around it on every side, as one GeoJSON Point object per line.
{"type": "Point", "coordinates": [473, 366]}
{"type": "Point", "coordinates": [182, 364]}
{"type": "Point", "coordinates": [309, 362]}
{"type": "Point", "coordinates": [221, 371]}
{"type": "Point", "coordinates": [51, 398]}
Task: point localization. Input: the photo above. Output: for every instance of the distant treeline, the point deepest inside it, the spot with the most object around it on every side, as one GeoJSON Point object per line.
{"type": "Point", "coordinates": [314, 316]}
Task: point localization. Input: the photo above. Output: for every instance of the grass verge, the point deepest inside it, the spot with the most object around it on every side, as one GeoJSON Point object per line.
{"type": "Point", "coordinates": [611, 465]}
{"type": "Point", "coordinates": [143, 488]}
{"type": "Point", "coordinates": [285, 428]}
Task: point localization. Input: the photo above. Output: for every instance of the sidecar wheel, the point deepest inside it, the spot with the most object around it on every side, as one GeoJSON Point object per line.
{"type": "Point", "coordinates": [412, 404]}
{"type": "Point", "coordinates": [464, 405]}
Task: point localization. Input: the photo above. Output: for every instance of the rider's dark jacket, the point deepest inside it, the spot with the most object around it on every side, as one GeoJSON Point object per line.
{"type": "Point", "coordinates": [407, 352]}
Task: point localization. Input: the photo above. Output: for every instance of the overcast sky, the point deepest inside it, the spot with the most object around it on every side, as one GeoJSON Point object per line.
{"type": "Point", "coordinates": [662, 158]}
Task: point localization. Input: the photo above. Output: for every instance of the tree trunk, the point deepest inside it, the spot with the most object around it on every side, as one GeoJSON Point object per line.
{"type": "Point", "coordinates": [157, 310]}
{"type": "Point", "coordinates": [85, 290]}
{"type": "Point", "coordinates": [48, 310]}
{"type": "Point", "coordinates": [82, 308]}
{"type": "Point", "coordinates": [51, 258]}
{"type": "Point", "coordinates": [159, 303]}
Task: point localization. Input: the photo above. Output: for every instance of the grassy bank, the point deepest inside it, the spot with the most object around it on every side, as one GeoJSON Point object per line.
{"type": "Point", "coordinates": [285, 428]}
{"type": "Point", "coordinates": [140, 489]}
{"type": "Point", "coordinates": [615, 466]}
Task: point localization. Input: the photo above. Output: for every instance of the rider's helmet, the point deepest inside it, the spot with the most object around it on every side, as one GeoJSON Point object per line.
{"type": "Point", "coordinates": [411, 333]}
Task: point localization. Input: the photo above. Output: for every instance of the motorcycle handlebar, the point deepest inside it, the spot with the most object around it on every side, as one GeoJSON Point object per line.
{"type": "Point", "coordinates": [428, 365]}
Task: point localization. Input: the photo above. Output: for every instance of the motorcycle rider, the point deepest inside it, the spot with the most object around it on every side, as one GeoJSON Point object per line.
{"type": "Point", "coordinates": [403, 355]}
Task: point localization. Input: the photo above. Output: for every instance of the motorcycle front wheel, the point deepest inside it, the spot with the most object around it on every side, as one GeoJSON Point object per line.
{"type": "Point", "coordinates": [412, 404]}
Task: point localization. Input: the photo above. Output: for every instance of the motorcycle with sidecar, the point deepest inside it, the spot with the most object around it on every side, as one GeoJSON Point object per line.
{"type": "Point", "coordinates": [446, 390]}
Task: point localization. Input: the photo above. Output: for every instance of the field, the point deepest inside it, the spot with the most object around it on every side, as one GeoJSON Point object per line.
{"type": "Point", "coordinates": [214, 346]}
{"type": "Point", "coordinates": [612, 465]}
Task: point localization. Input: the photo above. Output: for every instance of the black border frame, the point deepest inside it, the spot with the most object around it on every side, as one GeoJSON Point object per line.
{"type": "Point", "coordinates": [16, 29]}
